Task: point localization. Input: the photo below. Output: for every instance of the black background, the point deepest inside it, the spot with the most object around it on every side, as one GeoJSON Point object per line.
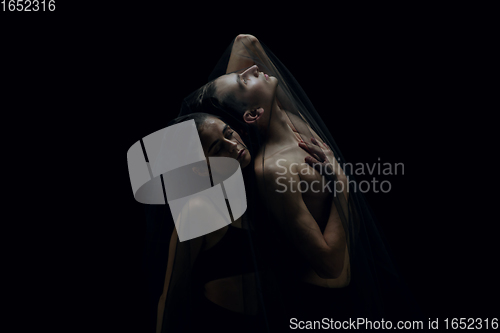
{"type": "Point", "coordinates": [92, 82]}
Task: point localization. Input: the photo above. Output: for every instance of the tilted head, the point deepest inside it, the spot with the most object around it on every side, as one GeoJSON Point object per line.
{"type": "Point", "coordinates": [248, 95]}
{"type": "Point", "coordinates": [218, 139]}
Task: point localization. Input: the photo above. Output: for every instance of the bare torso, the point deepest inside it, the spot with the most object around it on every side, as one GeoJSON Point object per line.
{"type": "Point", "coordinates": [318, 200]}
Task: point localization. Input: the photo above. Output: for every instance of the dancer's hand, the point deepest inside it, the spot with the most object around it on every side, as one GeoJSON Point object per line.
{"type": "Point", "coordinates": [320, 157]}
{"type": "Point", "coordinates": [320, 151]}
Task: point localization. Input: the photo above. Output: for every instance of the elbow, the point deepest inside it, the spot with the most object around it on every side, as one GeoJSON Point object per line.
{"type": "Point", "coordinates": [252, 38]}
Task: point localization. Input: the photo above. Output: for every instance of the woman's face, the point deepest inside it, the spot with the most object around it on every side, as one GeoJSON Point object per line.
{"type": "Point", "coordinates": [252, 87]}
{"type": "Point", "coordinates": [220, 140]}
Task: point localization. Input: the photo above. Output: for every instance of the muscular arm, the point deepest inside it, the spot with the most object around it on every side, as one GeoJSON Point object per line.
{"type": "Point", "coordinates": [325, 251]}
{"type": "Point", "coordinates": [245, 49]}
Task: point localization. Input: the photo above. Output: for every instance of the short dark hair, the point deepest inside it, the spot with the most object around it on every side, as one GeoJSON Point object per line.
{"type": "Point", "coordinates": [206, 99]}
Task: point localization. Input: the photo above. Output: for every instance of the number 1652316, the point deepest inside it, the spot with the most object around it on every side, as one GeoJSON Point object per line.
{"type": "Point", "coordinates": [28, 5]}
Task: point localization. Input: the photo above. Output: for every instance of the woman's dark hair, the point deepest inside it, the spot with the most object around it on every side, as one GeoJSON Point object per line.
{"type": "Point", "coordinates": [198, 117]}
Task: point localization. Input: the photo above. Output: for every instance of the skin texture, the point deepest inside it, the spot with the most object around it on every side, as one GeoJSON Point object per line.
{"type": "Point", "coordinates": [228, 142]}
{"type": "Point", "coordinates": [310, 220]}
{"type": "Point", "coordinates": [253, 86]}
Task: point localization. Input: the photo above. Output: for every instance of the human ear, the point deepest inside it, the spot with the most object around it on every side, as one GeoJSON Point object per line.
{"type": "Point", "coordinates": [251, 116]}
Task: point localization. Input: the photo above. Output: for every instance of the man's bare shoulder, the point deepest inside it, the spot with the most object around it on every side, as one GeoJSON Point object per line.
{"type": "Point", "coordinates": [278, 165]}
{"type": "Point", "coordinates": [288, 157]}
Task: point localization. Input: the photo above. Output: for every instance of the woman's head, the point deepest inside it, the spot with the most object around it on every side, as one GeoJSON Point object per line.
{"type": "Point", "coordinates": [217, 137]}
{"type": "Point", "coordinates": [247, 95]}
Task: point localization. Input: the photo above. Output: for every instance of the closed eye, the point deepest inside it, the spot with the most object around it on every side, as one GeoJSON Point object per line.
{"type": "Point", "coordinates": [228, 133]}
{"type": "Point", "coordinates": [238, 80]}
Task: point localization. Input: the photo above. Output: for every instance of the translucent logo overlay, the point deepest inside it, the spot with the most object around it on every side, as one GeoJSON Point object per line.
{"type": "Point", "coordinates": [177, 172]}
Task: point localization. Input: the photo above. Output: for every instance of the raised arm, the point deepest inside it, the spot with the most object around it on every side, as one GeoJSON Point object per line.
{"type": "Point", "coordinates": [325, 251]}
{"type": "Point", "coordinates": [245, 49]}
{"type": "Point", "coordinates": [248, 51]}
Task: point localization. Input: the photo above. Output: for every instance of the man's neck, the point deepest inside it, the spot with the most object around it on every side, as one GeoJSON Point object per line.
{"type": "Point", "coordinates": [277, 129]}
